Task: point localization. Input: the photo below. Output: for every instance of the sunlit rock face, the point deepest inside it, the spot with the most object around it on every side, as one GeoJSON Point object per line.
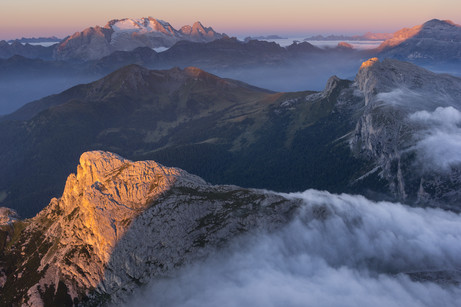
{"type": "Point", "coordinates": [98, 204]}
{"type": "Point", "coordinates": [80, 229]}
{"type": "Point", "coordinates": [120, 223]}
{"type": "Point", "coordinates": [7, 216]}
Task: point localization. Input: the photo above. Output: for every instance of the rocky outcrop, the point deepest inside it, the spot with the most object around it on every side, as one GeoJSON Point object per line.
{"type": "Point", "coordinates": [7, 216]}
{"type": "Point", "coordinates": [120, 223]}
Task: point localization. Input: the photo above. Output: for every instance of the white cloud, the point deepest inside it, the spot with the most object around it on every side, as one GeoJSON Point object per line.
{"type": "Point", "coordinates": [341, 250]}
{"type": "Point", "coordinates": [448, 116]}
{"type": "Point", "coordinates": [399, 97]}
{"type": "Point", "coordinates": [439, 142]}
{"type": "Point", "coordinates": [415, 100]}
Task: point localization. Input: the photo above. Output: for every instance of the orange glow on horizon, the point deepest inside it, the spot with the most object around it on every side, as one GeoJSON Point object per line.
{"type": "Point", "coordinates": [238, 17]}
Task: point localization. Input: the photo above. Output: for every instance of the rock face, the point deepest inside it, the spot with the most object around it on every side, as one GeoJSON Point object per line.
{"type": "Point", "coordinates": [128, 34]}
{"type": "Point", "coordinates": [435, 40]}
{"type": "Point", "coordinates": [118, 224]}
{"type": "Point", "coordinates": [7, 216]}
{"type": "Point", "coordinates": [395, 94]}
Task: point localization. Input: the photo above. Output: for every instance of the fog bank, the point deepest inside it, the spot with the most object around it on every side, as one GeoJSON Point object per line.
{"type": "Point", "coordinates": [341, 250]}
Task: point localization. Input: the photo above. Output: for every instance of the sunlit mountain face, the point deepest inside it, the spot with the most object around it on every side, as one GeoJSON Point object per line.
{"type": "Point", "coordinates": [145, 164]}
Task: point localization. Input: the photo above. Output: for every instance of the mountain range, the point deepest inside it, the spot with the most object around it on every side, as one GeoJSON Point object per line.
{"type": "Point", "coordinates": [347, 138]}
{"type": "Point", "coordinates": [418, 43]}
{"type": "Point", "coordinates": [25, 40]}
{"type": "Point", "coordinates": [369, 36]}
{"type": "Point", "coordinates": [128, 34]}
{"type": "Point", "coordinates": [8, 50]}
{"type": "Point", "coordinates": [257, 62]}
{"type": "Point", "coordinates": [301, 66]}
{"type": "Point", "coordinates": [176, 169]}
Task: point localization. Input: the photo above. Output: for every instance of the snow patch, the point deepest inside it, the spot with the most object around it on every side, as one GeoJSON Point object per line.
{"type": "Point", "coordinates": [127, 25]}
{"type": "Point", "coordinates": [160, 49]}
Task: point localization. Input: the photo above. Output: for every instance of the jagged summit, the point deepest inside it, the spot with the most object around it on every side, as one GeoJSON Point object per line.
{"type": "Point", "coordinates": [141, 25]}
{"type": "Point", "coordinates": [129, 183]}
{"type": "Point", "coordinates": [95, 210]}
{"type": "Point", "coordinates": [199, 32]}
{"type": "Point", "coordinates": [99, 237]}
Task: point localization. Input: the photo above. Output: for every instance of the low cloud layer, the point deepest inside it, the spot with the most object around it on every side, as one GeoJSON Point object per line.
{"type": "Point", "coordinates": [413, 100]}
{"type": "Point", "coordinates": [341, 250]}
{"type": "Point", "coordinates": [439, 141]}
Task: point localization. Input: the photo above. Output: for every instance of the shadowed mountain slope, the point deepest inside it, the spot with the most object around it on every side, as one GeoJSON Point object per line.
{"type": "Point", "coordinates": [246, 135]}
{"type": "Point", "coordinates": [377, 135]}
{"type": "Point", "coordinates": [435, 41]}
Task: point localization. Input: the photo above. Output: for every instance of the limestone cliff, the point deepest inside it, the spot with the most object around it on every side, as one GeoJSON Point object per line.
{"type": "Point", "coordinates": [120, 223]}
{"type": "Point", "coordinates": [393, 92]}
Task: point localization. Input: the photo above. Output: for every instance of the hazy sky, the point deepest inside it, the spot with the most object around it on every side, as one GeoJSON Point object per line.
{"type": "Point", "coordinates": [236, 17]}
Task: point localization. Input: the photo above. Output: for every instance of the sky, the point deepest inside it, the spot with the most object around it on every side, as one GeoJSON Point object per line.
{"type": "Point", "coordinates": [27, 18]}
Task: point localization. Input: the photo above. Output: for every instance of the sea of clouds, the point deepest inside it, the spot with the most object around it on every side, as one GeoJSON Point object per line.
{"type": "Point", "coordinates": [340, 250]}
{"type": "Point", "coordinates": [439, 142]}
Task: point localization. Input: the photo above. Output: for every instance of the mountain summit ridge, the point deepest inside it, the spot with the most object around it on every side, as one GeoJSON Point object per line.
{"type": "Point", "coordinates": [82, 244]}
{"type": "Point", "coordinates": [435, 40]}
{"type": "Point", "coordinates": [128, 34]}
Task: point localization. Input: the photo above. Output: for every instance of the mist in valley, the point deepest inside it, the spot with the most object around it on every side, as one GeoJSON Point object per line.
{"type": "Point", "coordinates": [301, 74]}
{"type": "Point", "coordinates": [20, 90]}
{"type": "Point", "coordinates": [290, 72]}
{"type": "Point", "coordinates": [310, 73]}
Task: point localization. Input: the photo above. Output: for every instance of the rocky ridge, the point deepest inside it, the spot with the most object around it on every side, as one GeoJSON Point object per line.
{"type": "Point", "coordinates": [86, 244]}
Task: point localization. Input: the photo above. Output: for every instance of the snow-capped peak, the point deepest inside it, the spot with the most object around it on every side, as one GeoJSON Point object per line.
{"type": "Point", "coordinates": [129, 33]}
{"type": "Point", "coordinates": [127, 25]}
{"type": "Point", "coordinates": [144, 25]}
